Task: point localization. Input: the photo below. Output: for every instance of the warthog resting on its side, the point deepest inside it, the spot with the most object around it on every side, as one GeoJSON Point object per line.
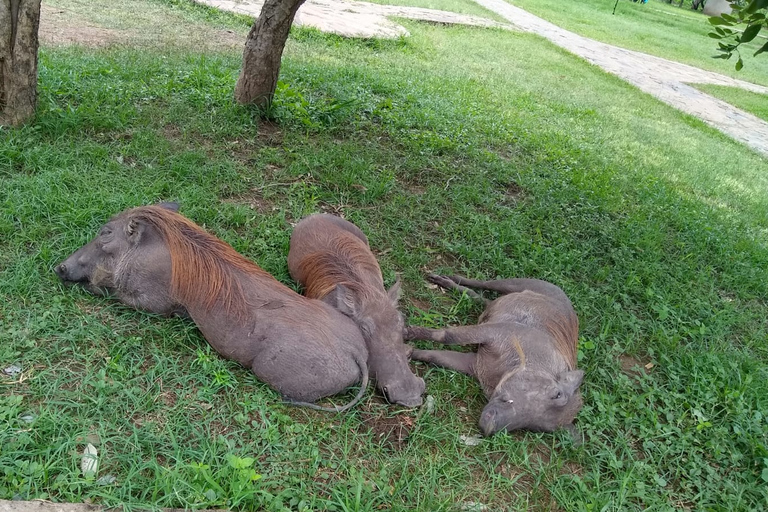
{"type": "Point", "coordinates": [154, 259]}
{"type": "Point", "coordinates": [526, 355]}
{"type": "Point", "coordinates": [331, 258]}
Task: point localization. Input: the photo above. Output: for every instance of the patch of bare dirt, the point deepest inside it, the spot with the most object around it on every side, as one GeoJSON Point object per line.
{"type": "Point", "coordinates": [168, 398]}
{"type": "Point", "coordinates": [84, 35]}
{"type": "Point", "coordinates": [419, 304]}
{"type": "Point", "coordinates": [416, 190]}
{"type": "Point", "coordinates": [634, 367]}
{"type": "Point", "coordinates": [255, 201]}
{"type": "Point", "coordinates": [92, 25]}
{"type": "Point", "coordinates": [391, 431]}
{"type": "Point", "coordinates": [270, 133]}
{"type": "Point", "coordinates": [513, 191]}
{"type": "Point", "coordinates": [61, 27]}
{"type": "Point", "coordinates": [571, 468]}
{"type": "Point", "coordinates": [171, 132]}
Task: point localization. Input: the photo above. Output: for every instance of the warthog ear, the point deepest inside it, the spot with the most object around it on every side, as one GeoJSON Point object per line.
{"type": "Point", "coordinates": [173, 206]}
{"type": "Point", "coordinates": [570, 381]}
{"type": "Point", "coordinates": [394, 291]}
{"type": "Point", "coordinates": [134, 230]}
{"type": "Point", "coordinates": [344, 300]}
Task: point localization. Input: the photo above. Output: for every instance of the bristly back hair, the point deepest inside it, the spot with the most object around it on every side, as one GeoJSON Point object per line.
{"type": "Point", "coordinates": [201, 264]}
{"type": "Point", "coordinates": [565, 329]}
{"type": "Point", "coordinates": [347, 263]}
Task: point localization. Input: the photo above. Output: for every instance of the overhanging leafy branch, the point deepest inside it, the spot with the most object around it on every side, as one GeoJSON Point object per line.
{"type": "Point", "coordinates": [753, 15]}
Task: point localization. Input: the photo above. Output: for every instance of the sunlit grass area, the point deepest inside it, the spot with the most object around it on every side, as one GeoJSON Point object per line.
{"type": "Point", "coordinates": [480, 152]}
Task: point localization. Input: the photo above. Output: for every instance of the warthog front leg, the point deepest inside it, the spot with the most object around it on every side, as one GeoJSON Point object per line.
{"type": "Point", "coordinates": [461, 335]}
{"type": "Point", "coordinates": [463, 362]}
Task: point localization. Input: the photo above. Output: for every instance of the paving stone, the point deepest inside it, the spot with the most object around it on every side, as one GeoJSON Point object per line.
{"type": "Point", "coordinates": [357, 19]}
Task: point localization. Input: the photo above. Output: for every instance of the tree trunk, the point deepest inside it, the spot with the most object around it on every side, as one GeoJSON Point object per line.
{"type": "Point", "coordinates": [263, 50]}
{"type": "Point", "coordinates": [19, 21]}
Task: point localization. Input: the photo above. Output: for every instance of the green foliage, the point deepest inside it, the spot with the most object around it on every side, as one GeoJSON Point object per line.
{"type": "Point", "coordinates": [481, 152]}
{"type": "Point", "coordinates": [310, 112]}
{"type": "Point", "coordinates": [752, 17]}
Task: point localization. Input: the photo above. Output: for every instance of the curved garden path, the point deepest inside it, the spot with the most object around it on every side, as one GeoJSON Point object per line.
{"type": "Point", "coordinates": [664, 79]}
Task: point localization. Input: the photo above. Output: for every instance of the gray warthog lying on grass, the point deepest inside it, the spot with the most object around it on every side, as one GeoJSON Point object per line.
{"type": "Point", "coordinates": [526, 354]}
{"type": "Point", "coordinates": [331, 258]}
{"type": "Point", "coordinates": [154, 259]}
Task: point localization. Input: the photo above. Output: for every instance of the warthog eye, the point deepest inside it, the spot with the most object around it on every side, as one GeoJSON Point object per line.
{"type": "Point", "coordinates": [510, 401]}
{"type": "Point", "coordinates": [558, 395]}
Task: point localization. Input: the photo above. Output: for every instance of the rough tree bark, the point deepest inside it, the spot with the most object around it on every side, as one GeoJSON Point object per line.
{"type": "Point", "coordinates": [263, 50]}
{"type": "Point", "coordinates": [19, 21]}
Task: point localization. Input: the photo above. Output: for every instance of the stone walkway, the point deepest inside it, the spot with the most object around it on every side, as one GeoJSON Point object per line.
{"type": "Point", "coordinates": [357, 19]}
{"type": "Point", "coordinates": [664, 79]}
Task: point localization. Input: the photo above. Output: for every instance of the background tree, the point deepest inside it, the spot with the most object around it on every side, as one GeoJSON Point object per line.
{"type": "Point", "coordinates": [753, 16]}
{"type": "Point", "coordinates": [19, 21]}
{"type": "Point", "coordinates": [263, 51]}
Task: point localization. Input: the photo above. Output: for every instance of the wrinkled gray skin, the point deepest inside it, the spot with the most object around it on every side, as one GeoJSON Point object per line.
{"type": "Point", "coordinates": [543, 393]}
{"type": "Point", "coordinates": [350, 280]}
{"type": "Point", "coordinates": [303, 348]}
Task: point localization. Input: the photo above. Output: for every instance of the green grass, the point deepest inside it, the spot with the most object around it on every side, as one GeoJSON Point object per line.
{"type": "Point", "coordinates": [480, 152]}
{"type": "Point", "coordinates": [752, 102]}
{"type": "Point", "coordinates": [656, 28]}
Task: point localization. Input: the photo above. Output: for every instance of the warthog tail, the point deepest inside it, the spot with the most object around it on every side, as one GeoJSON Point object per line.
{"type": "Point", "coordinates": [363, 386]}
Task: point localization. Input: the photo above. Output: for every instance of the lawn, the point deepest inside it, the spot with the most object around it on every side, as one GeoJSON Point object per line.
{"type": "Point", "coordinates": [475, 151]}
{"type": "Point", "coordinates": [656, 28]}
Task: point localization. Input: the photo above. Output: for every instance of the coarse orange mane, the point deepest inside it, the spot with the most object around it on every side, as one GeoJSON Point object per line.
{"type": "Point", "coordinates": [565, 330]}
{"type": "Point", "coordinates": [347, 262]}
{"type": "Point", "coordinates": [201, 264]}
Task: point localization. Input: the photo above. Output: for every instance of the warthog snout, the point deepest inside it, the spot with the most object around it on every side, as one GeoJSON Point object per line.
{"type": "Point", "coordinates": [61, 271]}
{"type": "Point", "coordinates": [488, 422]}
{"type": "Point", "coordinates": [407, 393]}
{"type": "Point", "coordinates": [69, 273]}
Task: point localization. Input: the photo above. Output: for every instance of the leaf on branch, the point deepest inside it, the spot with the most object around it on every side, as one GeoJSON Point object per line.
{"type": "Point", "coordinates": [756, 5]}
{"type": "Point", "coordinates": [717, 20]}
{"type": "Point", "coordinates": [713, 35]}
{"type": "Point", "coordinates": [739, 64]}
{"type": "Point", "coordinates": [750, 33]}
{"type": "Point", "coordinates": [762, 49]}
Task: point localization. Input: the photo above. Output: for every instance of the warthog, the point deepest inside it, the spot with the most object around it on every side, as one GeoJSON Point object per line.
{"type": "Point", "coordinates": [331, 258]}
{"type": "Point", "coordinates": [526, 354]}
{"type": "Point", "coordinates": [154, 259]}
